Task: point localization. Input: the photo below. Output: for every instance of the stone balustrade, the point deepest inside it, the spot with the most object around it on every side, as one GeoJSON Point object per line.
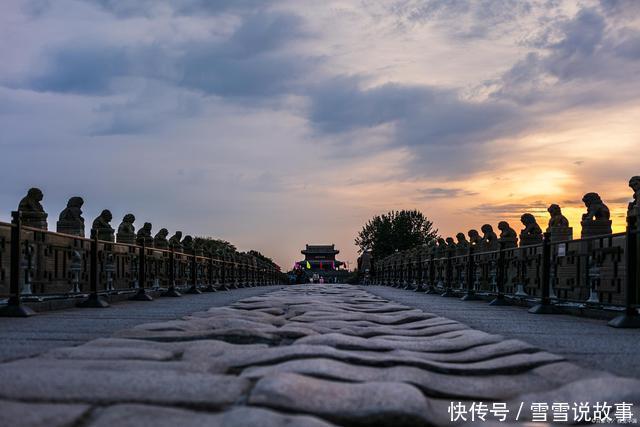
{"type": "Point", "coordinates": [37, 264]}
{"type": "Point", "coordinates": [551, 269]}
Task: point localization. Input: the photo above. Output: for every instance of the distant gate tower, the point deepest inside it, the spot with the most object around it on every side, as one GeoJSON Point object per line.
{"type": "Point", "coordinates": [320, 257]}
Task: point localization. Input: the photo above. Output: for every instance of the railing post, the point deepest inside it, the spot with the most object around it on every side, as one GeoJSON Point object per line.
{"type": "Point", "coordinates": [210, 287]}
{"type": "Point", "coordinates": [545, 306]}
{"type": "Point", "coordinates": [14, 307]}
{"type": "Point", "coordinates": [431, 289]}
{"type": "Point", "coordinates": [448, 275]}
{"type": "Point", "coordinates": [500, 277]}
{"type": "Point", "coordinates": [94, 300]}
{"type": "Point", "coordinates": [193, 289]}
{"type": "Point", "coordinates": [630, 318]}
{"type": "Point", "coordinates": [172, 291]}
{"type": "Point", "coordinates": [419, 274]}
{"type": "Point", "coordinates": [470, 276]}
{"type": "Point", "coordinates": [223, 274]}
{"type": "Point", "coordinates": [193, 278]}
{"type": "Point", "coordinates": [142, 294]}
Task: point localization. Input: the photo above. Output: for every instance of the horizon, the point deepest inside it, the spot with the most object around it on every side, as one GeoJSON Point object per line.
{"type": "Point", "coordinates": [275, 124]}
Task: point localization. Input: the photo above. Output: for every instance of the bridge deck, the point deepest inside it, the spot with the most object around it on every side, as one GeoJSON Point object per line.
{"type": "Point", "coordinates": [588, 342]}
{"type": "Point", "coordinates": [313, 355]}
{"type": "Point", "coordinates": [23, 337]}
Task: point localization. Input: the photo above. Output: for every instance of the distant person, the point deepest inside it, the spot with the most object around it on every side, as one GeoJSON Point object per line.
{"type": "Point", "coordinates": [321, 280]}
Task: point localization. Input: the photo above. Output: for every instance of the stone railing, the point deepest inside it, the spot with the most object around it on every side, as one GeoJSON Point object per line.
{"type": "Point", "coordinates": [37, 265]}
{"type": "Point", "coordinates": [549, 270]}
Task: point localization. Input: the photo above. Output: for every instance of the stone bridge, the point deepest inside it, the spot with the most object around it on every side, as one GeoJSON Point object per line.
{"type": "Point", "coordinates": [306, 355]}
{"type": "Point", "coordinates": [240, 348]}
{"type": "Point", "coordinates": [597, 274]}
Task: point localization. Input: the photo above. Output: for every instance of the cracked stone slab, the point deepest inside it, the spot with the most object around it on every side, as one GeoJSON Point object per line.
{"type": "Point", "coordinates": [20, 414]}
{"type": "Point", "coordinates": [154, 416]}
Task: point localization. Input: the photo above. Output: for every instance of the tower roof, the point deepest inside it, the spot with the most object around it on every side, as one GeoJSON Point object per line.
{"type": "Point", "coordinates": [320, 249]}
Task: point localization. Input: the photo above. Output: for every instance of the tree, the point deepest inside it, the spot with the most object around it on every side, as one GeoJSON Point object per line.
{"type": "Point", "coordinates": [217, 246]}
{"type": "Point", "coordinates": [258, 255]}
{"type": "Point", "coordinates": [396, 230]}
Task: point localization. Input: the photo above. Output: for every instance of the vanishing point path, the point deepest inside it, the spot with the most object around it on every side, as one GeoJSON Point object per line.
{"type": "Point", "coordinates": [307, 355]}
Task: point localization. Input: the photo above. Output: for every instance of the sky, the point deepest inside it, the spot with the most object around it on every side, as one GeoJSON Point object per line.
{"type": "Point", "coordinates": [273, 124]}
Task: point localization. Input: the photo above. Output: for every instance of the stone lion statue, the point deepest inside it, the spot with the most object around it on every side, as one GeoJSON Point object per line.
{"type": "Point", "coordinates": [462, 240]}
{"type": "Point", "coordinates": [73, 211]}
{"type": "Point", "coordinates": [507, 234]}
{"type": "Point", "coordinates": [33, 214]}
{"type": "Point", "coordinates": [160, 239]}
{"type": "Point", "coordinates": [144, 235]}
{"type": "Point", "coordinates": [596, 209]}
{"type": "Point", "coordinates": [489, 239]}
{"type": "Point", "coordinates": [31, 202]}
{"type": "Point", "coordinates": [103, 227]}
{"type": "Point", "coordinates": [187, 243]}
{"type": "Point", "coordinates": [474, 237]}
{"type": "Point", "coordinates": [174, 241]}
{"type": "Point", "coordinates": [126, 230]}
{"type": "Point", "coordinates": [634, 183]}
{"type": "Point", "coordinates": [71, 220]}
{"type": "Point", "coordinates": [532, 233]}
{"type": "Point", "coordinates": [557, 219]}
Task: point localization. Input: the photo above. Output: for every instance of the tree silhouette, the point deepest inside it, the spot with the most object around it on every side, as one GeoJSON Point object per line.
{"type": "Point", "coordinates": [396, 230]}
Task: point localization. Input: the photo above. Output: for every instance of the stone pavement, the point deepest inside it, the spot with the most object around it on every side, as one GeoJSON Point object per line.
{"type": "Point", "coordinates": [22, 337]}
{"type": "Point", "coordinates": [311, 355]}
{"type": "Point", "coordinates": [587, 342]}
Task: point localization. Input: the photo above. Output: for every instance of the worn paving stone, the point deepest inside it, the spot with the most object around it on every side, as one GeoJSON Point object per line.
{"type": "Point", "coordinates": [19, 414]}
{"type": "Point", "coordinates": [63, 383]}
{"type": "Point", "coordinates": [154, 416]}
{"type": "Point", "coordinates": [433, 384]}
{"type": "Point", "coordinates": [457, 341]}
{"type": "Point", "coordinates": [600, 389]}
{"type": "Point", "coordinates": [369, 331]}
{"type": "Point", "coordinates": [404, 317]}
{"type": "Point", "coordinates": [371, 403]}
{"type": "Point", "coordinates": [302, 355]}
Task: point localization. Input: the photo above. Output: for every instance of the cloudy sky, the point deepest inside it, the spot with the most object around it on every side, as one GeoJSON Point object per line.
{"type": "Point", "coordinates": [278, 123]}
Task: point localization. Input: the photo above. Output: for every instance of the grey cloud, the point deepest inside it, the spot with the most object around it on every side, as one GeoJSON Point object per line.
{"type": "Point", "coordinates": [465, 19]}
{"type": "Point", "coordinates": [422, 114]}
{"type": "Point", "coordinates": [444, 132]}
{"type": "Point", "coordinates": [626, 9]}
{"type": "Point", "coordinates": [511, 209]}
{"type": "Point", "coordinates": [629, 45]}
{"type": "Point", "coordinates": [485, 12]}
{"type": "Point", "coordinates": [87, 69]}
{"type": "Point", "coordinates": [444, 193]}
{"type": "Point", "coordinates": [126, 8]}
{"type": "Point", "coordinates": [251, 63]}
{"type": "Point", "coordinates": [586, 48]}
